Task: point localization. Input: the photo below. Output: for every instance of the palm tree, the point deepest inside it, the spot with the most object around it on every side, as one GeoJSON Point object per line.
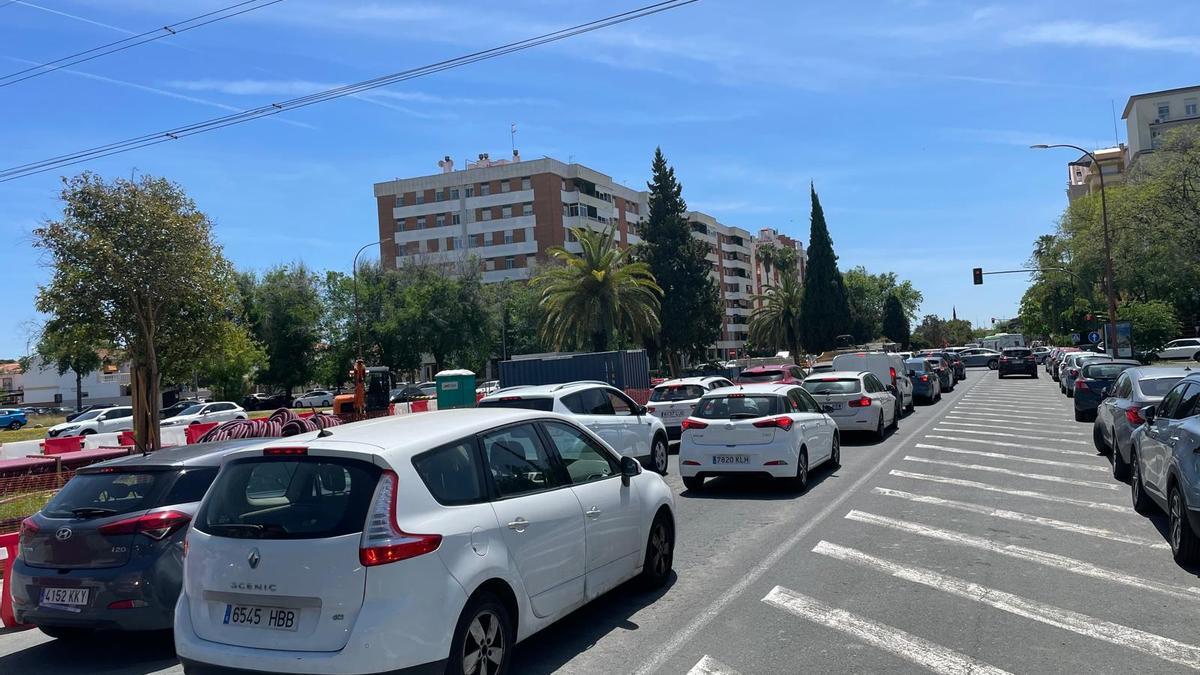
{"type": "Point", "coordinates": [767, 254]}
{"type": "Point", "coordinates": [599, 293]}
{"type": "Point", "coordinates": [775, 321]}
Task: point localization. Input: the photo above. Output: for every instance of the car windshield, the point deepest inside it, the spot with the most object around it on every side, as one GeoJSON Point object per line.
{"type": "Point", "coordinates": [191, 410]}
{"type": "Point", "coordinates": [1105, 371]}
{"type": "Point", "coordinates": [915, 365]}
{"type": "Point", "coordinates": [738, 406]}
{"type": "Point", "coordinates": [833, 385]}
{"type": "Point", "coordinates": [676, 392]}
{"type": "Point", "coordinates": [1157, 387]}
{"type": "Point", "coordinates": [1017, 353]}
{"type": "Point", "coordinates": [104, 494]}
{"type": "Point", "coordinates": [760, 376]}
{"type": "Point", "coordinates": [543, 403]}
{"type": "Point", "coordinates": [89, 415]}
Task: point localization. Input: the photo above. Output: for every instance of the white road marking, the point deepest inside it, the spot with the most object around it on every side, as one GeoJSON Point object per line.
{"type": "Point", "coordinates": [1025, 412]}
{"type": "Point", "coordinates": [1013, 458]}
{"type": "Point", "coordinates": [707, 665]}
{"type": "Point", "coordinates": [1004, 434]}
{"type": "Point", "coordinates": [1024, 518]}
{"type": "Point", "coordinates": [999, 417]}
{"type": "Point", "coordinates": [1123, 637]}
{"type": "Point", "coordinates": [704, 617]}
{"type": "Point", "coordinates": [1031, 494]}
{"type": "Point", "coordinates": [907, 646]}
{"type": "Point", "coordinates": [1012, 400]}
{"type": "Point", "coordinates": [976, 424]}
{"type": "Point", "coordinates": [1022, 446]}
{"type": "Point", "coordinates": [1009, 472]}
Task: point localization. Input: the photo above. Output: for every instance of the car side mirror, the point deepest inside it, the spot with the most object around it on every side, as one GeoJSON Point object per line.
{"type": "Point", "coordinates": [1149, 413]}
{"type": "Point", "coordinates": [1105, 393]}
{"type": "Point", "coordinates": [640, 410]}
{"type": "Point", "coordinates": [892, 388]}
{"type": "Point", "coordinates": [629, 467]}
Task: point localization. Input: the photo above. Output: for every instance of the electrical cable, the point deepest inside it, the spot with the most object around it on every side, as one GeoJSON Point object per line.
{"type": "Point", "coordinates": [176, 133]}
{"type": "Point", "coordinates": [132, 41]}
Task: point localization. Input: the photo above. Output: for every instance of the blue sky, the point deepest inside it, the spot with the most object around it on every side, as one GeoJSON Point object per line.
{"type": "Point", "coordinates": [912, 117]}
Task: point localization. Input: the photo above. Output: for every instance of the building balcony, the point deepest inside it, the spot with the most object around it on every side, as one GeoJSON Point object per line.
{"type": "Point", "coordinates": [498, 199]}
{"type": "Point", "coordinates": [428, 233]}
{"type": "Point", "coordinates": [493, 276]}
{"type": "Point", "coordinates": [498, 224]}
{"type": "Point", "coordinates": [426, 209]}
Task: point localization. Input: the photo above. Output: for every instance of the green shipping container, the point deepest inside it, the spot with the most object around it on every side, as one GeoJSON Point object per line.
{"type": "Point", "coordinates": [455, 389]}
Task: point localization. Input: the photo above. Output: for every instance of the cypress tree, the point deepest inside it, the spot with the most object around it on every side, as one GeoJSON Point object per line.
{"type": "Point", "coordinates": [824, 311]}
{"type": "Point", "coordinates": [895, 324]}
{"type": "Point", "coordinates": [690, 314]}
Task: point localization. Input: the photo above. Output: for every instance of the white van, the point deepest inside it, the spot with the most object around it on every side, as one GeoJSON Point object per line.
{"type": "Point", "coordinates": [888, 367]}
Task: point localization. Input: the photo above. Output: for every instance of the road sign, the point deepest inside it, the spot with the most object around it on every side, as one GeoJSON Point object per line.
{"type": "Point", "coordinates": [1094, 337]}
{"type": "Point", "coordinates": [1075, 338]}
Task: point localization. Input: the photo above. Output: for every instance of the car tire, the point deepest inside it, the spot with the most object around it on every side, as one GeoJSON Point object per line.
{"type": "Point", "coordinates": [1185, 544]}
{"type": "Point", "coordinates": [325, 404]}
{"type": "Point", "coordinates": [896, 416]}
{"type": "Point", "coordinates": [835, 452]}
{"type": "Point", "coordinates": [880, 432]}
{"type": "Point", "coordinates": [1137, 491]}
{"type": "Point", "coordinates": [87, 432]}
{"type": "Point", "coordinates": [693, 483]}
{"type": "Point", "coordinates": [1070, 393]}
{"type": "Point", "coordinates": [67, 632]}
{"type": "Point", "coordinates": [993, 364]}
{"type": "Point", "coordinates": [1001, 376]}
{"type": "Point", "coordinates": [799, 483]}
{"type": "Point", "coordinates": [1080, 416]}
{"type": "Point", "coordinates": [486, 610]}
{"type": "Point", "coordinates": [660, 553]}
{"type": "Point", "coordinates": [1196, 356]}
{"type": "Point", "coordinates": [1098, 440]}
{"type": "Point", "coordinates": [14, 425]}
{"type": "Point", "coordinates": [912, 403]}
{"type": "Point", "coordinates": [659, 455]}
{"type": "Point", "coordinates": [1120, 468]}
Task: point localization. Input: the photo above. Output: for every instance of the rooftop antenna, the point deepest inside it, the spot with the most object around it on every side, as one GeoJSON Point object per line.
{"type": "Point", "coordinates": [512, 137]}
{"type": "Point", "coordinates": [1116, 137]}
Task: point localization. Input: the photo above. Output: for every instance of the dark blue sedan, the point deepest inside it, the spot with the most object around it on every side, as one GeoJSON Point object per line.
{"type": "Point", "coordinates": [1092, 383]}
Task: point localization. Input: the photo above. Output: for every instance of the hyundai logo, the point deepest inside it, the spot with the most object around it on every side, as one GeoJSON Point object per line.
{"type": "Point", "coordinates": [253, 558]}
{"type": "Point", "coordinates": [63, 534]}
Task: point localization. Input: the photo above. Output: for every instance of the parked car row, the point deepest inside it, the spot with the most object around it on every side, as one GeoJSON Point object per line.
{"type": "Point", "coordinates": [1146, 419]}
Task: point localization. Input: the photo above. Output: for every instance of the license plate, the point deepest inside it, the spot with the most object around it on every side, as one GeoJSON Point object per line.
{"type": "Point", "coordinates": [275, 618]}
{"type": "Point", "coordinates": [671, 414]}
{"type": "Point", "coordinates": [731, 459]}
{"type": "Point", "coordinates": [832, 406]}
{"type": "Point", "coordinates": [64, 596]}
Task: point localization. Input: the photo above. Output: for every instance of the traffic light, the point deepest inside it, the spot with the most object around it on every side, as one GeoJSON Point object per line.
{"type": "Point", "coordinates": [978, 274]}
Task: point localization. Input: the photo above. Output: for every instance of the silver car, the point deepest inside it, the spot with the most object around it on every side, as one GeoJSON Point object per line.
{"type": "Point", "coordinates": [1164, 472]}
{"type": "Point", "coordinates": [1121, 411]}
{"type": "Point", "coordinates": [978, 357]}
{"type": "Point", "coordinates": [1071, 367]}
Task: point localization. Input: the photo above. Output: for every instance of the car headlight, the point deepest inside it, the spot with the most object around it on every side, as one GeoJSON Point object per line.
{"type": "Point", "coordinates": [70, 427]}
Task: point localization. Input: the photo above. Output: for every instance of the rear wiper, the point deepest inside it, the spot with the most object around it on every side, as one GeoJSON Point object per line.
{"type": "Point", "coordinates": [743, 416]}
{"type": "Point", "coordinates": [244, 530]}
{"type": "Point", "coordinates": [92, 512]}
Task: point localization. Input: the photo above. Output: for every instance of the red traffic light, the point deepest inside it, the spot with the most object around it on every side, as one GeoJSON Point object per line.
{"type": "Point", "coordinates": [977, 273]}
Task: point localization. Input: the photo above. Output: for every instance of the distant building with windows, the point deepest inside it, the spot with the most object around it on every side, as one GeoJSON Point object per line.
{"type": "Point", "coordinates": [1083, 175]}
{"type": "Point", "coordinates": [730, 252]}
{"type": "Point", "coordinates": [1149, 116]}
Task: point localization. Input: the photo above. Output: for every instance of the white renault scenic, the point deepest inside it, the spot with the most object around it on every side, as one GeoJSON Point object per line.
{"type": "Point", "coordinates": [427, 544]}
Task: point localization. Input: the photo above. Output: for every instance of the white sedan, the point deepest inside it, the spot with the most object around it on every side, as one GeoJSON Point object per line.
{"type": "Point", "coordinates": [775, 430]}
{"type": "Point", "coordinates": [1185, 348]}
{"type": "Point", "coordinates": [317, 398]}
{"type": "Point", "coordinates": [221, 411]}
{"type": "Point", "coordinates": [856, 401]}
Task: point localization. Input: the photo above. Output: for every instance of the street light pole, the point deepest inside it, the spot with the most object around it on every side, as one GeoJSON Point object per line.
{"type": "Point", "coordinates": [354, 274]}
{"type": "Point", "coordinates": [1109, 285]}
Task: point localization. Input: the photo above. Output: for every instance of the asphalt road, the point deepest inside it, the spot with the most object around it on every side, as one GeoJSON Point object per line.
{"type": "Point", "coordinates": [985, 535]}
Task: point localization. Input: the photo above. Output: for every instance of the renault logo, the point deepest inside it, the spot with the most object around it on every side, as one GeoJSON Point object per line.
{"type": "Point", "coordinates": [253, 558]}
{"type": "Point", "coordinates": [63, 534]}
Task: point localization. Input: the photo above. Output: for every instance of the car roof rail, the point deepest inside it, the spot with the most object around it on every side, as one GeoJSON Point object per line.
{"type": "Point", "coordinates": [564, 385]}
{"type": "Point", "coordinates": [508, 388]}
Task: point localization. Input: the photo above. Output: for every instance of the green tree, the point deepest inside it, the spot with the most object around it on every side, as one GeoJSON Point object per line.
{"type": "Point", "coordinates": [591, 298]}
{"type": "Point", "coordinates": [232, 362]}
{"type": "Point", "coordinates": [74, 347]}
{"type": "Point", "coordinates": [447, 317]}
{"type": "Point", "coordinates": [1154, 323]}
{"type": "Point", "coordinates": [288, 310]}
{"type": "Point", "coordinates": [824, 308]}
{"type": "Point", "coordinates": [691, 321]}
{"type": "Point", "coordinates": [775, 322]}
{"type": "Point", "coordinates": [135, 263]}
{"type": "Point", "coordinates": [895, 323]}
{"type": "Point", "coordinates": [517, 316]}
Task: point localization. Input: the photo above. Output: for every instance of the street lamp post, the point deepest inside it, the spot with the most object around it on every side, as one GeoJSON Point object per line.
{"type": "Point", "coordinates": [354, 274]}
{"type": "Point", "coordinates": [1110, 291]}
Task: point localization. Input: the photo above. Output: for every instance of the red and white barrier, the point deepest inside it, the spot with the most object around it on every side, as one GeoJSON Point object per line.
{"type": "Point", "coordinates": [8, 554]}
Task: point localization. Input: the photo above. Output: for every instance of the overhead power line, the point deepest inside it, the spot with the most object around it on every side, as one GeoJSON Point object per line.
{"type": "Point", "coordinates": [176, 133]}
{"type": "Point", "coordinates": [135, 40]}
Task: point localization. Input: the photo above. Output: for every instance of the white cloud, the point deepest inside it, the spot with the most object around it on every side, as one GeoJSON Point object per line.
{"type": "Point", "coordinates": [305, 87]}
{"type": "Point", "coordinates": [1015, 137]}
{"type": "Point", "coordinates": [1122, 35]}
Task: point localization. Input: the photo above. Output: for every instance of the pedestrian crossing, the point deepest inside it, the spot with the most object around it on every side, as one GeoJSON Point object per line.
{"type": "Point", "coordinates": [1008, 489]}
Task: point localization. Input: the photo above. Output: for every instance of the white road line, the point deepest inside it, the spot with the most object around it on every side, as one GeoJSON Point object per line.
{"type": "Point", "coordinates": [975, 424]}
{"type": "Point", "coordinates": [1024, 518]}
{"type": "Point", "coordinates": [1004, 434]}
{"type": "Point", "coordinates": [1016, 399]}
{"type": "Point", "coordinates": [1031, 494]}
{"type": "Point", "coordinates": [907, 646]}
{"type": "Point", "coordinates": [1022, 446]}
{"type": "Point", "coordinates": [1013, 458]}
{"type": "Point", "coordinates": [1024, 410]}
{"type": "Point", "coordinates": [1060, 562]}
{"type": "Point", "coordinates": [1123, 637]}
{"type": "Point", "coordinates": [1009, 472]}
{"type": "Point", "coordinates": [705, 616]}
{"type": "Point", "coordinates": [707, 665]}
{"type": "Point", "coordinates": [999, 417]}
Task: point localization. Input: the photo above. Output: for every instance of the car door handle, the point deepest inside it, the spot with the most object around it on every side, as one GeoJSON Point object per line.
{"type": "Point", "coordinates": [518, 525]}
{"type": "Point", "coordinates": [593, 512]}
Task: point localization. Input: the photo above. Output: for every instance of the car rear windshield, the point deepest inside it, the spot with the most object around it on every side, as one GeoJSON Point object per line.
{"type": "Point", "coordinates": [90, 495]}
{"type": "Point", "coordinates": [289, 498]}
{"type": "Point", "coordinates": [915, 365]}
{"type": "Point", "coordinates": [761, 376]}
{"type": "Point", "coordinates": [833, 385]}
{"type": "Point", "coordinates": [1157, 386]}
{"type": "Point", "coordinates": [677, 392]}
{"type": "Point", "coordinates": [1104, 371]}
{"type": "Point", "coordinates": [738, 406]}
{"type": "Point", "coordinates": [1017, 353]}
{"type": "Point", "coordinates": [544, 404]}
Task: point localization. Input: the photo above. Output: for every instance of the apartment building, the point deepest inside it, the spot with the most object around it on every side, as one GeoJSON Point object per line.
{"type": "Point", "coordinates": [499, 214]}
{"type": "Point", "coordinates": [1084, 175]}
{"type": "Point", "coordinates": [730, 251]}
{"type": "Point", "coordinates": [1148, 116]}
{"type": "Point", "coordinates": [764, 277]}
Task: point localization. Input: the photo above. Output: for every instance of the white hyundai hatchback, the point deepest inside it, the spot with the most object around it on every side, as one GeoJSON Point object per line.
{"type": "Point", "coordinates": [419, 544]}
{"type": "Point", "coordinates": [774, 430]}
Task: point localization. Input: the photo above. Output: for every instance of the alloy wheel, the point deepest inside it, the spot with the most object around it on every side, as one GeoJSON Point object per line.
{"type": "Point", "coordinates": [660, 550]}
{"type": "Point", "coordinates": [1176, 521]}
{"type": "Point", "coordinates": [483, 648]}
{"type": "Point", "coordinates": [660, 456]}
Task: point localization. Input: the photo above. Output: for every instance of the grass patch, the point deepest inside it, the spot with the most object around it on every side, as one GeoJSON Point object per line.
{"type": "Point", "coordinates": [24, 505]}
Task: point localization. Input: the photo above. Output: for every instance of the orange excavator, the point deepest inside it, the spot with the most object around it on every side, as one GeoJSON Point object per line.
{"type": "Point", "coordinates": [372, 386]}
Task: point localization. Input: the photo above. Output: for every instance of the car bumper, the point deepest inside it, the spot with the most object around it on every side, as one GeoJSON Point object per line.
{"type": "Point", "coordinates": [106, 586]}
{"type": "Point", "coordinates": [191, 667]}
{"type": "Point", "coordinates": [864, 420]}
{"type": "Point", "coordinates": [758, 456]}
{"type": "Point", "coordinates": [1028, 369]}
{"type": "Point", "coordinates": [1086, 401]}
{"type": "Point", "coordinates": [923, 391]}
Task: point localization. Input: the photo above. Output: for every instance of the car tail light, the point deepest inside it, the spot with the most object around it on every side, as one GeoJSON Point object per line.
{"type": "Point", "coordinates": [782, 422]}
{"type": "Point", "coordinates": [690, 462]}
{"type": "Point", "coordinates": [651, 409]}
{"type": "Point", "coordinates": [155, 525]}
{"type": "Point", "coordinates": [1074, 372]}
{"type": "Point", "coordinates": [28, 527]}
{"type": "Point", "coordinates": [863, 402]}
{"type": "Point", "coordinates": [1080, 385]}
{"type": "Point", "coordinates": [775, 462]}
{"type": "Point", "coordinates": [510, 398]}
{"type": "Point", "coordinates": [128, 604]}
{"type": "Point", "coordinates": [924, 378]}
{"type": "Point", "coordinates": [382, 541]}
{"type": "Point", "coordinates": [690, 423]}
{"type": "Point", "coordinates": [892, 373]}
{"type": "Point", "coordinates": [1134, 416]}
{"type": "Point", "coordinates": [285, 452]}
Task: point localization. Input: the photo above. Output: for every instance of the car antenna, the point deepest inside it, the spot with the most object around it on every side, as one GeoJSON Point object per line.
{"type": "Point", "coordinates": [324, 433]}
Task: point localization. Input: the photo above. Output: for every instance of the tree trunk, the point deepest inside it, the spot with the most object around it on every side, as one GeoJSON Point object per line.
{"type": "Point", "coordinates": [78, 390]}
{"type": "Point", "coordinates": [144, 388]}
